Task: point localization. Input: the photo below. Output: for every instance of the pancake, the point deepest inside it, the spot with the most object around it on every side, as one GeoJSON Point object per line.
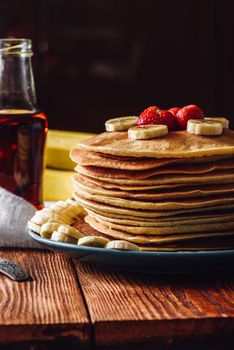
{"type": "Point", "coordinates": [80, 183]}
{"type": "Point", "coordinates": [217, 243]}
{"type": "Point", "coordinates": [174, 221]}
{"type": "Point", "coordinates": [172, 229]}
{"type": "Point", "coordinates": [219, 211]}
{"type": "Point", "coordinates": [95, 171]}
{"type": "Point", "coordinates": [149, 239]}
{"type": "Point", "coordinates": [83, 157]}
{"type": "Point", "coordinates": [109, 185]}
{"type": "Point", "coordinates": [216, 177]}
{"type": "Point", "coordinates": [109, 209]}
{"type": "Point", "coordinates": [160, 205]}
{"type": "Point", "coordinates": [203, 244]}
{"type": "Point", "coordinates": [86, 158]}
{"type": "Point", "coordinates": [178, 144]}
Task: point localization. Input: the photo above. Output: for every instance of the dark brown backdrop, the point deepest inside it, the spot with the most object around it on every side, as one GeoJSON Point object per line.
{"type": "Point", "coordinates": [95, 59]}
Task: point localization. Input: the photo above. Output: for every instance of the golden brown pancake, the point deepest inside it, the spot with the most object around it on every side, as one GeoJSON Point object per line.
{"type": "Point", "coordinates": [182, 192]}
{"type": "Point", "coordinates": [215, 177]}
{"type": "Point", "coordinates": [216, 244]}
{"type": "Point", "coordinates": [113, 210]}
{"type": "Point", "coordinates": [98, 172]}
{"type": "Point", "coordinates": [86, 158]}
{"type": "Point", "coordinates": [109, 185]}
{"type": "Point", "coordinates": [150, 239]}
{"type": "Point", "coordinates": [175, 216]}
{"type": "Point", "coordinates": [171, 221]}
{"type": "Point", "coordinates": [160, 205]}
{"type": "Point", "coordinates": [199, 244]}
{"type": "Point", "coordinates": [178, 144]}
{"type": "Point", "coordinates": [225, 225]}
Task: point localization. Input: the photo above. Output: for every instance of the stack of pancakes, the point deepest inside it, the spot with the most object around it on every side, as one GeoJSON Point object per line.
{"type": "Point", "coordinates": [171, 193]}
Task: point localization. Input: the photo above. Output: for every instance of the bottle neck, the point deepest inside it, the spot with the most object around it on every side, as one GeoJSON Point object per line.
{"type": "Point", "coordinates": [17, 89]}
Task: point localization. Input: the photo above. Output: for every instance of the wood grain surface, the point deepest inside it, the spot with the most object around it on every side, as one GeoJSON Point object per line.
{"type": "Point", "coordinates": [68, 304]}
{"type": "Point", "coordinates": [130, 307]}
{"type": "Point", "coordinates": [47, 307]}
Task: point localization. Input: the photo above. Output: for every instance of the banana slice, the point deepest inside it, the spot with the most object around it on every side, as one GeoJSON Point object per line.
{"type": "Point", "coordinates": [76, 211]}
{"type": "Point", "coordinates": [70, 231]}
{"type": "Point", "coordinates": [121, 245]}
{"type": "Point", "coordinates": [72, 202]}
{"type": "Point", "coordinates": [61, 211]}
{"type": "Point", "coordinates": [58, 204]}
{"type": "Point", "coordinates": [223, 121]}
{"type": "Point", "coordinates": [42, 219]}
{"type": "Point", "coordinates": [38, 219]}
{"type": "Point", "coordinates": [34, 227]}
{"type": "Point", "coordinates": [204, 127]}
{"type": "Point", "coordinates": [66, 212]}
{"type": "Point", "coordinates": [61, 237]}
{"type": "Point", "coordinates": [48, 228]}
{"type": "Point", "coordinates": [147, 132]}
{"type": "Point", "coordinates": [50, 212]}
{"type": "Point", "coordinates": [93, 241]}
{"type": "Point", "coordinates": [120, 124]}
{"type": "Point", "coordinates": [68, 207]}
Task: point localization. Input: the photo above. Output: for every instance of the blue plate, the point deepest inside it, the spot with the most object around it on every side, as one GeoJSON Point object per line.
{"type": "Point", "coordinates": [151, 262]}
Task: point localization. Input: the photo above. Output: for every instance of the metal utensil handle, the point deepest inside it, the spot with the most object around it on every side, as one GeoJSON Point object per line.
{"type": "Point", "coordinates": [12, 270]}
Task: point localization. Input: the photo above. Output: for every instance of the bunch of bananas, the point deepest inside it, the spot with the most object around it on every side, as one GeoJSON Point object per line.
{"type": "Point", "coordinates": [59, 167]}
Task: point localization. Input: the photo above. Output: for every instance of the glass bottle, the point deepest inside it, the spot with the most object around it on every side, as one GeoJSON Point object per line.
{"type": "Point", "coordinates": [23, 126]}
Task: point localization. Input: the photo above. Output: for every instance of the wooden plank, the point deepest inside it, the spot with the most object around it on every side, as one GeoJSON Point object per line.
{"type": "Point", "coordinates": [135, 308]}
{"type": "Point", "coordinates": [49, 307]}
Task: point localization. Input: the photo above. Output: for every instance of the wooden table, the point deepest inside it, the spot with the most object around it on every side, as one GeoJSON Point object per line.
{"type": "Point", "coordinates": [70, 305]}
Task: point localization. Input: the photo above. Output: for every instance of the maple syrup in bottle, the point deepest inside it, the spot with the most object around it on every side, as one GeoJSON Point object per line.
{"type": "Point", "coordinates": [23, 126]}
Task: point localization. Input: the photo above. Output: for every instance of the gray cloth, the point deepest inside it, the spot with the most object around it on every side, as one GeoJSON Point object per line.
{"type": "Point", "coordinates": [14, 214]}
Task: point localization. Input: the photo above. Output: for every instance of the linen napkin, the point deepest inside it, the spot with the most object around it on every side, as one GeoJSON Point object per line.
{"type": "Point", "coordinates": [14, 214]}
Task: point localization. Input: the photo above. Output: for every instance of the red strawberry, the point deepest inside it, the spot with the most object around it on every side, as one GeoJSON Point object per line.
{"type": "Point", "coordinates": [174, 110]}
{"type": "Point", "coordinates": [188, 112]}
{"type": "Point", "coordinates": [148, 115]}
{"type": "Point", "coordinates": [168, 119]}
{"type": "Point", "coordinates": [153, 115]}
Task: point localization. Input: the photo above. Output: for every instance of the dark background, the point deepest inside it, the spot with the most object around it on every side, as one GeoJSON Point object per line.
{"type": "Point", "coordinates": [96, 59]}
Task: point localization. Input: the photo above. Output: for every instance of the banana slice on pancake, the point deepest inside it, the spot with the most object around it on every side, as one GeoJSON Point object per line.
{"type": "Point", "coordinates": [204, 127]}
{"type": "Point", "coordinates": [145, 132]}
{"type": "Point", "coordinates": [120, 124]}
{"type": "Point", "coordinates": [223, 121]}
{"type": "Point", "coordinates": [121, 245]}
{"type": "Point", "coordinates": [93, 241]}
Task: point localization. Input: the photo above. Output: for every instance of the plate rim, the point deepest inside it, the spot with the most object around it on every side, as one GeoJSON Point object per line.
{"type": "Point", "coordinates": [46, 241]}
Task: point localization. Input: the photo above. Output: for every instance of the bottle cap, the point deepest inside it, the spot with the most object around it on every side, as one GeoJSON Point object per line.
{"type": "Point", "coordinates": [15, 46]}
